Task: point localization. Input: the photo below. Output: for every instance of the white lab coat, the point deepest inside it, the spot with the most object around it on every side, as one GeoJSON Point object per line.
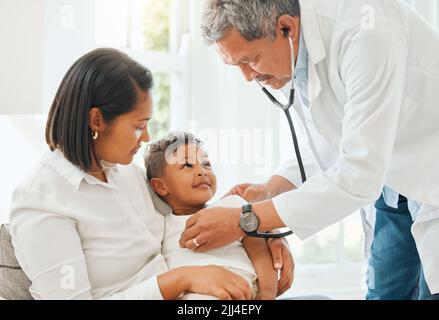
{"type": "Point", "coordinates": [373, 119]}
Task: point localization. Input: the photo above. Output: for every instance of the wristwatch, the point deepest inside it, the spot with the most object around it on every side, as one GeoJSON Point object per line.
{"type": "Point", "coordinates": [249, 221]}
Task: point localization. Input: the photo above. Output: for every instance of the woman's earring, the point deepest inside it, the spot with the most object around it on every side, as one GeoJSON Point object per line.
{"type": "Point", "coordinates": [95, 135]}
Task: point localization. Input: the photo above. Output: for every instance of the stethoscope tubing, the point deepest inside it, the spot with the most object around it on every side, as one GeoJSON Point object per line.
{"type": "Point", "coordinates": [286, 108]}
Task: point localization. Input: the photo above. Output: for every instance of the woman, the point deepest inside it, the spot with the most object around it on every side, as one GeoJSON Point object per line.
{"type": "Point", "coordinates": [83, 224]}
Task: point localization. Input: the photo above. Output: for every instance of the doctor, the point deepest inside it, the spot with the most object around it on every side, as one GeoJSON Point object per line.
{"type": "Point", "coordinates": [367, 92]}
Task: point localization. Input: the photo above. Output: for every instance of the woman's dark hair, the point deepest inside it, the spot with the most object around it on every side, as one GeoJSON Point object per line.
{"type": "Point", "coordinates": [104, 78]}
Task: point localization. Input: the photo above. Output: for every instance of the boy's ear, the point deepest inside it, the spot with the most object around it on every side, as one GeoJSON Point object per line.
{"type": "Point", "coordinates": [159, 187]}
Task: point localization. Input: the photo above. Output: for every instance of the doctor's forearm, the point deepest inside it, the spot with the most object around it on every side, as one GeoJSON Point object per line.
{"type": "Point", "coordinates": [267, 214]}
{"type": "Point", "coordinates": [278, 185]}
{"type": "Point", "coordinates": [268, 217]}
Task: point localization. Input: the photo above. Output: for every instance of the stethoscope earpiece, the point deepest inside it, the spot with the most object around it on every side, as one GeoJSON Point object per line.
{"type": "Point", "coordinates": [286, 34]}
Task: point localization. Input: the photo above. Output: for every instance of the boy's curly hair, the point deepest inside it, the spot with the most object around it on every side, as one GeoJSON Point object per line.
{"type": "Point", "coordinates": [155, 157]}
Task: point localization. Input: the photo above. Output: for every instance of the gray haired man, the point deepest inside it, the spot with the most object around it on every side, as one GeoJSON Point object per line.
{"type": "Point", "coordinates": [366, 78]}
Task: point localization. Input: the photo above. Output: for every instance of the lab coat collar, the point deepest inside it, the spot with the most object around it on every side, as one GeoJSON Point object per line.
{"type": "Point", "coordinates": [311, 31]}
{"type": "Point", "coordinates": [302, 57]}
{"type": "Point", "coordinates": [73, 174]}
{"type": "Point", "coordinates": [314, 45]}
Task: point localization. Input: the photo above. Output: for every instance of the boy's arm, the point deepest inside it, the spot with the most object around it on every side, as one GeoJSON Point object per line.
{"type": "Point", "coordinates": [260, 256]}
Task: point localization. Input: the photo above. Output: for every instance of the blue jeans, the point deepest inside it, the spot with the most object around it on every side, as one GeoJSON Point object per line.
{"type": "Point", "coordinates": [395, 270]}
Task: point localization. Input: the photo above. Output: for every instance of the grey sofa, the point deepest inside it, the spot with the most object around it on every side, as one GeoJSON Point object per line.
{"type": "Point", "coordinates": [14, 284]}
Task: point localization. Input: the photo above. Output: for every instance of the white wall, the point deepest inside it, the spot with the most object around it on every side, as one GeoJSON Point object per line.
{"type": "Point", "coordinates": [21, 92]}
{"type": "Point", "coordinates": [21, 56]}
{"type": "Point", "coordinates": [41, 39]}
{"type": "Point", "coordinates": [69, 32]}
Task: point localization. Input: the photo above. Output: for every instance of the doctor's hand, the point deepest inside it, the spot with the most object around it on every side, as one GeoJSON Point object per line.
{"type": "Point", "coordinates": [259, 192]}
{"type": "Point", "coordinates": [283, 261]}
{"type": "Point", "coordinates": [212, 228]}
{"type": "Point", "coordinates": [251, 192]}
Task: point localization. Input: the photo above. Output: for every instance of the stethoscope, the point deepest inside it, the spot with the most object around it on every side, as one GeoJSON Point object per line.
{"type": "Point", "coordinates": [286, 108]}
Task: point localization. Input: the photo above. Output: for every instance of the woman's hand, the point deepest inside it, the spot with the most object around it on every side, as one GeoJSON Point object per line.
{"type": "Point", "coordinates": [218, 282]}
{"type": "Point", "coordinates": [283, 261]}
{"type": "Point", "coordinates": [212, 228]}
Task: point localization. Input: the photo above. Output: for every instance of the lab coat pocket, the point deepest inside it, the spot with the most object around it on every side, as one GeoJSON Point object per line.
{"type": "Point", "coordinates": [425, 231]}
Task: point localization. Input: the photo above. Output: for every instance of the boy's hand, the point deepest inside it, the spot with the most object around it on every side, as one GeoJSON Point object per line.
{"type": "Point", "coordinates": [283, 261]}
{"type": "Point", "coordinates": [268, 293]}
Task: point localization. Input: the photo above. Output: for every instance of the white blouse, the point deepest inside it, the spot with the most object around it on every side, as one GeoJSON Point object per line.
{"type": "Point", "coordinates": [79, 238]}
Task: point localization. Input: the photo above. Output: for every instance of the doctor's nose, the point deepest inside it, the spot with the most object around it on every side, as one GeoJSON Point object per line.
{"type": "Point", "coordinates": [248, 73]}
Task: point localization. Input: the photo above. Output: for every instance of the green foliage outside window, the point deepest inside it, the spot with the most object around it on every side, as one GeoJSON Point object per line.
{"type": "Point", "coordinates": [156, 33]}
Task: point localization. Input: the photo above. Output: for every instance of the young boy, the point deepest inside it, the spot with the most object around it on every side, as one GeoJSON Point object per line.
{"type": "Point", "coordinates": [179, 171]}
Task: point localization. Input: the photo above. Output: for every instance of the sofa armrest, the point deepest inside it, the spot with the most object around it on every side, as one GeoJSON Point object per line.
{"type": "Point", "coordinates": [14, 284]}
